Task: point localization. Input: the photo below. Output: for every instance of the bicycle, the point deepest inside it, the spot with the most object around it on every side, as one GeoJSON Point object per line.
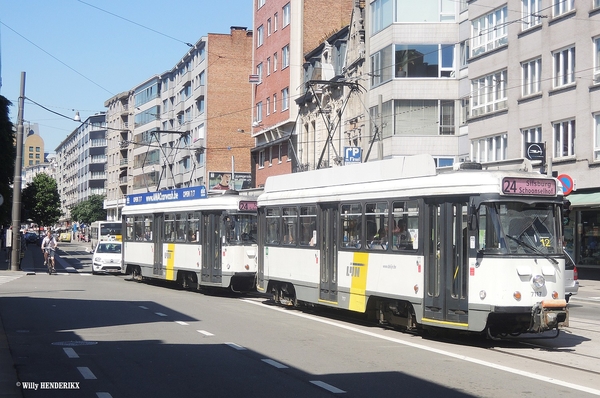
{"type": "Point", "coordinates": [49, 260]}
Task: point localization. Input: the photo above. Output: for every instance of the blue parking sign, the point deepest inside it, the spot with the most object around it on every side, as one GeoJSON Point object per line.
{"type": "Point", "coordinates": [352, 154]}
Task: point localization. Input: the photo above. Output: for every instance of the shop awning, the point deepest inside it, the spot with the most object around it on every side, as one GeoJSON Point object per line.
{"type": "Point", "coordinates": [584, 199]}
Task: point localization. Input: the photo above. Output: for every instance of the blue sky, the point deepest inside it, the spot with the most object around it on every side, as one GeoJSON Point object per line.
{"type": "Point", "coordinates": [78, 53]}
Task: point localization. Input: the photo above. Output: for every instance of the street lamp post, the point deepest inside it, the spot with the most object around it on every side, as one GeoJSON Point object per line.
{"type": "Point", "coordinates": [16, 209]}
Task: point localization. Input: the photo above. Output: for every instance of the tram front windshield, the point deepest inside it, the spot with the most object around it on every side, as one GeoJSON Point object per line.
{"type": "Point", "coordinates": [240, 229]}
{"type": "Point", "coordinates": [519, 228]}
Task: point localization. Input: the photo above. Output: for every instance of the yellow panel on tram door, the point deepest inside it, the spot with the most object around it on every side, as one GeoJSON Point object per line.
{"type": "Point", "coordinates": [170, 257]}
{"type": "Point", "coordinates": [358, 271]}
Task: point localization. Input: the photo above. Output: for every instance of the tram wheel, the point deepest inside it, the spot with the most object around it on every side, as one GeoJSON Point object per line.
{"type": "Point", "coordinates": [136, 274]}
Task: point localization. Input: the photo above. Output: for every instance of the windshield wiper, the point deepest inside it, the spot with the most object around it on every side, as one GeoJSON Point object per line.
{"type": "Point", "coordinates": [533, 248]}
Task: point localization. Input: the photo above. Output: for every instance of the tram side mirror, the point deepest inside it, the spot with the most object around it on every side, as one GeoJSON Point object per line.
{"type": "Point", "coordinates": [473, 220]}
{"type": "Point", "coordinates": [479, 258]}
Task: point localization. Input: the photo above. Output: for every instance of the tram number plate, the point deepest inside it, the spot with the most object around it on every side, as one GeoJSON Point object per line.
{"type": "Point", "coordinates": [528, 186]}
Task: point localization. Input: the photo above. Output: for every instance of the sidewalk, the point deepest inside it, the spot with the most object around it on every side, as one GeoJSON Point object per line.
{"type": "Point", "coordinates": [8, 373]}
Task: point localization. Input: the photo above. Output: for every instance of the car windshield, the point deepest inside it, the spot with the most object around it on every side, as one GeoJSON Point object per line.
{"type": "Point", "coordinates": [109, 248]}
{"type": "Point", "coordinates": [519, 228]}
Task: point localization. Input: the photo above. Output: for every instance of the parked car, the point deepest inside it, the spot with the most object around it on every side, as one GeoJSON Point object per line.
{"type": "Point", "coordinates": [571, 282]}
{"type": "Point", "coordinates": [64, 237]}
{"type": "Point", "coordinates": [107, 258]}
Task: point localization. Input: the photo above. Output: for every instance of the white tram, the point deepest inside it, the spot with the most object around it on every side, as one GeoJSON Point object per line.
{"type": "Point", "coordinates": [415, 247]}
{"type": "Point", "coordinates": [191, 237]}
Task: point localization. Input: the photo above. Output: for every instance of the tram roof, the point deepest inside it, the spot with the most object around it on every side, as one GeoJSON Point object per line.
{"type": "Point", "coordinates": [212, 202]}
{"type": "Point", "coordinates": [408, 176]}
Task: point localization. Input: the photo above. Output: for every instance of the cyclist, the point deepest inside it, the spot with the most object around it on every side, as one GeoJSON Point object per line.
{"type": "Point", "coordinates": [48, 247]}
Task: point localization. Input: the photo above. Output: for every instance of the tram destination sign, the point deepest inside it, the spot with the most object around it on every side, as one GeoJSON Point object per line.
{"type": "Point", "coordinates": [169, 195]}
{"type": "Point", "coordinates": [528, 186]}
{"type": "Point", "coordinates": [246, 205]}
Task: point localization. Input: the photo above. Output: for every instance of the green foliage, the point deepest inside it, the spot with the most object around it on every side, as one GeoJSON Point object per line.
{"type": "Point", "coordinates": [41, 201]}
{"type": "Point", "coordinates": [8, 155]}
{"type": "Point", "coordinates": [89, 210]}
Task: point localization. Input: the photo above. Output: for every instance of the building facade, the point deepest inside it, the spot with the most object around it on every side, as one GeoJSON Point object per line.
{"type": "Point", "coordinates": [284, 31]}
{"type": "Point", "coordinates": [81, 164]}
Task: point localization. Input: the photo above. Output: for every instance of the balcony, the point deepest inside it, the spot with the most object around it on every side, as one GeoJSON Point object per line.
{"type": "Point", "coordinates": [186, 79]}
{"type": "Point", "coordinates": [199, 92]}
{"type": "Point", "coordinates": [180, 107]}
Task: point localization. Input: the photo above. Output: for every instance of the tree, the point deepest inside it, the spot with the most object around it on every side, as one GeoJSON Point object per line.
{"type": "Point", "coordinates": [41, 201]}
{"type": "Point", "coordinates": [8, 155]}
{"type": "Point", "coordinates": [89, 210]}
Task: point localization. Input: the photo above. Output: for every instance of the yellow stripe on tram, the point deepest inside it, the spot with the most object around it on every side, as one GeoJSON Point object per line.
{"type": "Point", "coordinates": [358, 270]}
{"type": "Point", "coordinates": [436, 321]}
{"type": "Point", "coordinates": [170, 271]}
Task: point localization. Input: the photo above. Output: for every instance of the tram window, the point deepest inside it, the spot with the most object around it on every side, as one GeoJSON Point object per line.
{"type": "Point", "coordinates": [308, 226]}
{"type": "Point", "coordinates": [139, 227]}
{"type": "Point", "coordinates": [147, 227]}
{"type": "Point", "coordinates": [351, 215]}
{"type": "Point", "coordinates": [246, 228]}
{"type": "Point", "coordinates": [193, 223]}
{"type": "Point", "coordinates": [180, 232]}
{"type": "Point", "coordinates": [129, 234]}
{"type": "Point", "coordinates": [405, 225]}
{"type": "Point", "coordinates": [169, 228]}
{"type": "Point", "coordinates": [377, 216]}
{"type": "Point", "coordinates": [290, 225]}
{"type": "Point", "coordinates": [273, 218]}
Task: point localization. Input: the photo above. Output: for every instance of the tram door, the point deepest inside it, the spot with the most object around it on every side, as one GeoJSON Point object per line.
{"type": "Point", "coordinates": [211, 248]}
{"type": "Point", "coordinates": [327, 241]}
{"type": "Point", "coordinates": [446, 262]}
{"type": "Point", "coordinates": [157, 242]}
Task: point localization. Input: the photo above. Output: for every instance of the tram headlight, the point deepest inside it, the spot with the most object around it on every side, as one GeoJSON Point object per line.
{"type": "Point", "coordinates": [482, 294]}
{"type": "Point", "coordinates": [538, 281]}
{"type": "Point", "coordinates": [554, 295]}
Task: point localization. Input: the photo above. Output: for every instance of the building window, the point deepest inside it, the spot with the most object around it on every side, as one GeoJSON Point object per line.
{"type": "Point", "coordinates": [531, 74]}
{"type": "Point", "coordinates": [259, 36]}
{"type": "Point", "coordinates": [274, 103]}
{"type": "Point", "coordinates": [30, 149]}
{"type": "Point", "coordinates": [489, 149]}
{"type": "Point", "coordinates": [285, 57]}
{"type": "Point", "coordinates": [37, 149]}
{"type": "Point", "coordinates": [268, 106]}
{"type": "Point", "coordinates": [465, 49]}
{"type": "Point", "coordinates": [489, 93]}
{"type": "Point", "coordinates": [530, 14]}
{"type": "Point", "coordinates": [280, 153]}
{"type": "Point", "coordinates": [274, 62]}
{"type": "Point", "coordinates": [489, 31]}
{"type": "Point", "coordinates": [275, 21]}
{"type": "Point", "coordinates": [464, 110]}
{"type": "Point", "coordinates": [269, 27]}
{"type": "Point", "coordinates": [261, 159]}
{"type": "Point", "coordinates": [381, 66]}
{"type": "Point", "coordinates": [560, 7]}
{"type": "Point", "coordinates": [285, 99]}
{"type": "Point", "coordinates": [564, 67]}
{"type": "Point", "coordinates": [259, 111]}
{"type": "Point", "coordinates": [259, 72]}
{"type": "Point", "coordinates": [424, 60]}
{"type": "Point", "coordinates": [268, 66]}
{"type": "Point", "coordinates": [564, 138]}
{"type": "Point", "coordinates": [286, 15]}
{"type": "Point", "coordinates": [597, 60]}
{"type": "Point", "coordinates": [260, 3]}
{"type": "Point", "coordinates": [30, 155]}
{"type": "Point", "coordinates": [417, 118]}
{"type": "Point", "coordinates": [533, 134]}
{"type": "Point", "coordinates": [597, 137]}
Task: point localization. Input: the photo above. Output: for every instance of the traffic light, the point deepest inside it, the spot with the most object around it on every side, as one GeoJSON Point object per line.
{"type": "Point", "coordinates": [566, 212]}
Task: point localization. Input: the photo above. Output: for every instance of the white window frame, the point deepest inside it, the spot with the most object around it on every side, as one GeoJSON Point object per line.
{"type": "Point", "coordinates": [597, 59]}
{"type": "Point", "coordinates": [531, 134]}
{"type": "Point", "coordinates": [268, 106]}
{"type": "Point", "coordinates": [560, 7]}
{"type": "Point", "coordinates": [286, 15]}
{"type": "Point", "coordinates": [260, 36]}
{"type": "Point", "coordinates": [285, 57]}
{"type": "Point", "coordinates": [285, 99]}
{"type": "Point", "coordinates": [489, 93]}
{"type": "Point", "coordinates": [259, 113]}
{"type": "Point", "coordinates": [563, 138]}
{"type": "Point", "coordinates": [531, 72]}
{"type": "Point", "coordinates": [274, 62]}
{"type": "Point", "coordinates": [530, 13]}
{"type": "Point", "coordinates": [596, 137]}
{"type": "Point", "coordinates": [489, 149]}
{"type": "Point", "coordinates": [261, 159]}
{"type": "Point", "coordinates": [489, 31]}
{"type": "Point", "coordinates": [563, 66]}
{"type": "Point", "coordinates": [274, 103]}
{"type": "Point", "coordinates": [259, 72]}
{"type": "Point", "coordinates": [260, 3]}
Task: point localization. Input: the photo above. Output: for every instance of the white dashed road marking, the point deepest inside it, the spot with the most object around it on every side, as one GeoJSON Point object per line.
{"type": "Point", "coordinates": [274, 363]}
{"type": "Point", "coordinates": [237, 347]}
{"type": "Point", "coordinates": [328, 387]}
{"type": "Point", "coordinates": [204, 332]}
{"type": "Point", "coordinates": [70, 352]}
{"type": "Point", "coordinates": [86, 373]}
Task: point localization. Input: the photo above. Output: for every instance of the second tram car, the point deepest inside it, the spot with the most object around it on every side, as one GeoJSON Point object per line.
{"type": "Point", "coordinates": [414, 247]}
{"type": "Point", "coordinates": [191, 237]}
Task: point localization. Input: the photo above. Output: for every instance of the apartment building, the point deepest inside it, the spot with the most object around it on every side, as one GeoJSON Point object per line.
{"type": "Point", "coordinates": [80, 163]}
{"type": "Point", "coordinates": [284, 31]}
{"type": "Point", "coordinates": [534, 69]}
{"type": "Point", "coordinates": [186, 126]}
{"type": "Point", "coordinates": [33, 145]}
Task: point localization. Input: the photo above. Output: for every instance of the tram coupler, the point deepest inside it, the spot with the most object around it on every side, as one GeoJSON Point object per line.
{"type": "Point", "coordinates": [548, 314]}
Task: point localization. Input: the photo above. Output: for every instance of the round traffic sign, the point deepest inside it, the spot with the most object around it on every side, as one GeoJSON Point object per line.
{"type": "Point", "coordinates": [567, 183]}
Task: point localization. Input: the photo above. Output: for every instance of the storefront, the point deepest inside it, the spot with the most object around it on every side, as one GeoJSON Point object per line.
{"type": "Point", "coordinates": [582, 228]}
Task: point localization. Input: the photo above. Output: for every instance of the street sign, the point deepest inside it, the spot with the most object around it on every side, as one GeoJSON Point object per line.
{"type": "Point", "coordinates": [352, 154]}
{"type": "Point", "coordinates": [567, 183]}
